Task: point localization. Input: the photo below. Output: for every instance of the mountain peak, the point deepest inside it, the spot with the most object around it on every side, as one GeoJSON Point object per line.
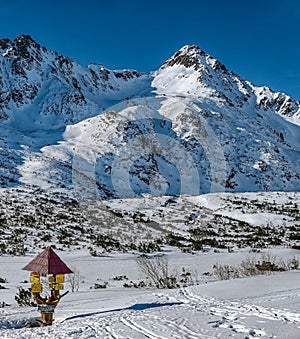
{"type": "Point", "coordinates": [24, 41]}
{"type": "Point", "coordinates": [193, 56]}
{"type": "Point", "coordinates": [187, 56]}
{"type": "Point", "coordinates": [191, 50]}
{"type": "Point", "coordinates": [21, 47]}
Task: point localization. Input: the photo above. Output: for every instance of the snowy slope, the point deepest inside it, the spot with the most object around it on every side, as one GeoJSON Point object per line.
{"type": "Point", "coordinates": [43, 90]}
{"type": "Point", "coordinates": [194, 73]}
{"type": "Point", "coordinates": [190, 127]}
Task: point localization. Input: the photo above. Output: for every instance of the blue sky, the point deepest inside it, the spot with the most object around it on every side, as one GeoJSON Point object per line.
{"type": "Point", "coordinates": [257, 39]}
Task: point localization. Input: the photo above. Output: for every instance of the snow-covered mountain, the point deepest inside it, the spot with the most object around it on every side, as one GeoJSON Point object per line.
{"type": "Point", "coordinates": [43, 90]}
{"type": "Point", "coordinates": [190, 127]}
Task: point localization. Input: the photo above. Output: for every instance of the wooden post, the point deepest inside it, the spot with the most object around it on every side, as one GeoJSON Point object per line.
{"type": "Point", "coordinates": [47, 306]}
{"type": "Point", "coordinates": [46, 318]}
{"type": "Point", "coordinates": [47, 263]}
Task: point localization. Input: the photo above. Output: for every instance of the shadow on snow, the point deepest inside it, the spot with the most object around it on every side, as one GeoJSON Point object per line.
{"type": "Point", "coordinates": [135, 307]}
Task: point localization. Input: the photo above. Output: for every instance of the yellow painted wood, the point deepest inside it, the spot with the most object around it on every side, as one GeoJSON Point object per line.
{"type": "Point", "coordinates": [36, 288]}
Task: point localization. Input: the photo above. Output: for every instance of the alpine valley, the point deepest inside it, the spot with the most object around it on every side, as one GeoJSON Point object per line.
{"type": "Point", "coordinates": [70, 134]}
{"type": "Point", "coordinates": [189, 165]}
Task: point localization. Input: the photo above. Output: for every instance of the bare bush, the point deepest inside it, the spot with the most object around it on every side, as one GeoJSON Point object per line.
{"type": "Point", "coordinates": [157, 270]}
{"type": "Point", "coordinates": [293, 264]}
{"type": "Point", "coordinates": [74, 280]}
{"type": "Point", "coordinates": [249, 267]}
{"type": "Point", "coordinates": [270, 263]}
{"type": "Point", "coordinates": [226, 272]}
{"type": "Point", "coordinates": [268, 257]}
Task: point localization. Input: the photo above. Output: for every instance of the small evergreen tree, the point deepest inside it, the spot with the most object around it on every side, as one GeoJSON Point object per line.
{"type": "Point", "coordinates": [23, 297]}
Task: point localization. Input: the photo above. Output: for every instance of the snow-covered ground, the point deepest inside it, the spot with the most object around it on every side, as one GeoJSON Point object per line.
{"type": "Point", "coordinates": [263, 306]}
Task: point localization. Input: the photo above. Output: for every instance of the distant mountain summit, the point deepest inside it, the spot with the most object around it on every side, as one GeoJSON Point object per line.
{"type": "Point", "coordinates": [192, 126]}
{"type": "Point", "coordinates": [42, 89]}
{"type": "Point", "coordinates": [209, 73]}
{"type": "Point", "coordinates": [188, 56]}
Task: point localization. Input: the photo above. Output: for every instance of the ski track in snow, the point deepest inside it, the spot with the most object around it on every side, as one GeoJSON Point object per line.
{"type": "Point", "coordinates": [231, 313]}
{"type": "Point", "coordinates": [224, 315]}
{"type": "Point", "coordinates": [178, 319]}
{"type": "Point", "coordinates": [139, 328]}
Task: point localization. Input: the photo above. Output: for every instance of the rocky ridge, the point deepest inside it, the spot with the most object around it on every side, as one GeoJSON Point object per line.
{"type": "Point", "coordinates": [230, 134]}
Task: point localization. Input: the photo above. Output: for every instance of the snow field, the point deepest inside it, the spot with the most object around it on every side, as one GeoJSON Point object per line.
{"type": "Point", "coordinates": [263, 306]}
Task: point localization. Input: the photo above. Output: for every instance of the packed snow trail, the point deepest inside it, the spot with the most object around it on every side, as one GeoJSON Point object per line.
{"type": "Point", "coordinates": [177, 314]}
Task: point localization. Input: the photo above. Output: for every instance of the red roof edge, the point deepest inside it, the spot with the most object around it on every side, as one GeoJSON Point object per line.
{"type": "Point", "coordinates": [47, 262]}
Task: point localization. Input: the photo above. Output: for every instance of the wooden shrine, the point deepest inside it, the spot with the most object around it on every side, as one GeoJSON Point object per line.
{"type": "Point", "coordinates": [47, 264]}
